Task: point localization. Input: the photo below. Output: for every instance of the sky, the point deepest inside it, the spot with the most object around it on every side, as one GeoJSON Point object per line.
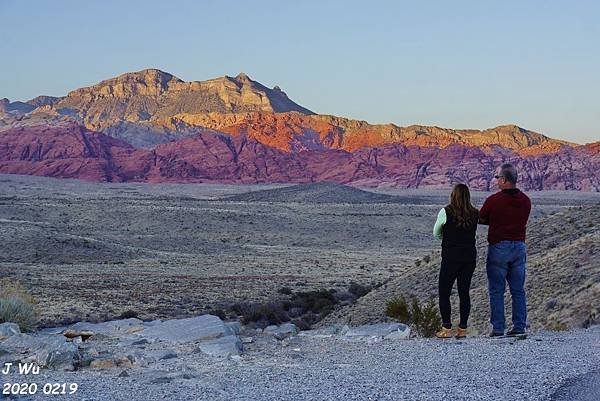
{"type": "Point", "coordinates": [456, 64]}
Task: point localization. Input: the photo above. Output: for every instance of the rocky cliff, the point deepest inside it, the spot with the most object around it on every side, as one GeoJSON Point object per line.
{"type": "Point", "coordinates": [150, 107]}
{"type": "Point", "coordinates": [152, 126]}
{"type": "Point", "coordinates": [72, 151]}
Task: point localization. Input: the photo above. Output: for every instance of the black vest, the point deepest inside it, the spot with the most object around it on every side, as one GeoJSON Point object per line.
{"type": "Point", "coordinates": [458, 243]}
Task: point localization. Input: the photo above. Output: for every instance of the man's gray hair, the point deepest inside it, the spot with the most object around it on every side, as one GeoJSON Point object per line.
{"type": "Point", "coordinates": [509, 172]}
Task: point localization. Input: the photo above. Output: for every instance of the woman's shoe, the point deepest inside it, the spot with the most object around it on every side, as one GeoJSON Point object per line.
{"type": "Point", "coordinates": [444, 333]}
{"type": "Point", "coordinates": [461, 333]}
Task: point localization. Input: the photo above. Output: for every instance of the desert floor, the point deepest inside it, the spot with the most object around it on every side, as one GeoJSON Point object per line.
{"type": "Point", "coordinates": [90, 251]}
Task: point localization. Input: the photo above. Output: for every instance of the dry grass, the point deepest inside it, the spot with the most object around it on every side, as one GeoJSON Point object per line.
{"type": "Point", "coordinates": [17, 305]}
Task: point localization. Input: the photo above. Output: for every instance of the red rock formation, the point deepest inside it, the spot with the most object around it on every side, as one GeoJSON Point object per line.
{"type": "Point", "coordinates": [74, 152]}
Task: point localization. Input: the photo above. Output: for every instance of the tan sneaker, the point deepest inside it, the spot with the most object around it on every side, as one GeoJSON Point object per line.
{"type": "Point", "coordinates": [444, 333]}
{"type": "Point", "coordinates": [461, 333]}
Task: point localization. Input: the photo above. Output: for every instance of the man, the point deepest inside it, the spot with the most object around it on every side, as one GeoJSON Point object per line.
{"type": "Point", "coordinates": [506, 212]}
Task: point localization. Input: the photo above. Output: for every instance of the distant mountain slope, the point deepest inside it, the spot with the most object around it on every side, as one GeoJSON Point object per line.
{"type": "Point", "coordinates": [293, 132]}
{"type": "Point", "coordinates": [563, 277]}
{"type": "Point", "coordinates": [153, 94]}
{"type": "Point", "coordinates": [71, 151]}
{"type": "Point", "coordinates": [149, 107]}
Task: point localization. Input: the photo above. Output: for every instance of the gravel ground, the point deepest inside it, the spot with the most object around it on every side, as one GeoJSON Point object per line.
{"type": "Point", "coordinates": [543, 367]}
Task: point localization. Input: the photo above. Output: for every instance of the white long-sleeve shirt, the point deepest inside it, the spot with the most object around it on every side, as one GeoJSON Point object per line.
{"type": "Point", "coordinates": [439, 223]}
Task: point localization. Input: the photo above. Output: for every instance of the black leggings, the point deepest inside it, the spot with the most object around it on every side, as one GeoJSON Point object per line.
{"type": "Point", "coordinates": [451, 271]}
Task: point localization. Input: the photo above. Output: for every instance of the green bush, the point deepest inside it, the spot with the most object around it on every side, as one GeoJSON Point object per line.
{"type": "Point", "coordinates": [397, 308]}
{"type": "Point", "coordinates": [17, 305]}
{"type": "Point", "coordinates": [423, 318]}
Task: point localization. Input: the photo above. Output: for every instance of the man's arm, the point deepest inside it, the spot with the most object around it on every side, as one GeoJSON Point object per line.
{"type": "Point", "coordinates": [439, 223]}
{"type": "Point", "coordinates": [484, 213]}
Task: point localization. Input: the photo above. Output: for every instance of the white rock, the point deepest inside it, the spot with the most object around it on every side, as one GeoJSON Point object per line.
{"type": "Point", "coordinates": [46, 351]}
{"type": "Point", "coordinates": [374, 330]}
{"type": "Point", "coordinates": [222, 347]}
{"type": "Point", "coordinates": [399, 334]}
{"type": "Point", "coordinates": [200, 328]}
{"type": "Point", "coordinates": [114, 328]}
{"type": "Point", "coordinates": [234, 327]}
{"type": "Point", "coordinates": [282, 331]}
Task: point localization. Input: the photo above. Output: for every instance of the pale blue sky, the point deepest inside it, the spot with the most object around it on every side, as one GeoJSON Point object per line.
{"type": "Point", "coordinates": [454, 64]}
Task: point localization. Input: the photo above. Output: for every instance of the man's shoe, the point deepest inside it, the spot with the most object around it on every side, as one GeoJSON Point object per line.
{"type": "Point", "coordinates": [461, 333]}
{"type": "Point", "coordinates": [444, 333]}
{"type": "Point", "coordinates": [514, 333]}
{"type": "Point", "coordinates": [496, 334]}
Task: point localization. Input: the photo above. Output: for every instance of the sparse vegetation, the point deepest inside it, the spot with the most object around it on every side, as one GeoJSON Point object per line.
{"type": "Point", "coordinates": [17, 305]}
{"type": "Point", "coordinates": [303, 308]}
{"type": "Point", "coordinates": [397, 308]}
{"type": "Point", "coordinates": [424, 318]}
{"type": "Point", "coordinates": [358, 290]}
{"type": "Point", "coordinates": [556, 326]}
{"type": "Point", "coordinates": [128, 314]}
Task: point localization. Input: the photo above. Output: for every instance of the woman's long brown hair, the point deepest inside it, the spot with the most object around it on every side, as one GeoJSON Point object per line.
{"type": "Point", "coordinates": [464, 213]}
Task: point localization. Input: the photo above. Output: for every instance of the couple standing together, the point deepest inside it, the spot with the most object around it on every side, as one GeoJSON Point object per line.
{"type": "Point", "coordinates": [506, 213]}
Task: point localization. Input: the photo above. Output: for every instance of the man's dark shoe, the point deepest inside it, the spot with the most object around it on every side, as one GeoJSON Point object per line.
{"type": "Point", "coordinates": [496, 334]}
{"type": "Point", "coordinates": [514, 333]}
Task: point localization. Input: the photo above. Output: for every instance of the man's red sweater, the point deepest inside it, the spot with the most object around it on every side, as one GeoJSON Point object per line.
{"type": "Point", "coordinates": [506, 212]}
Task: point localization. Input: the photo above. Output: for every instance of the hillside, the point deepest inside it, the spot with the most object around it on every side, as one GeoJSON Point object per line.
{"type": "Point", "coordinates": [563, 278]}
{"type": "Point", "coordinates": [320, 192]}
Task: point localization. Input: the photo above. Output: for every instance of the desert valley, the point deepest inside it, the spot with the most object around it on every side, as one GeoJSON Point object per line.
{"type": "Point", "coordinates": [146, 206]}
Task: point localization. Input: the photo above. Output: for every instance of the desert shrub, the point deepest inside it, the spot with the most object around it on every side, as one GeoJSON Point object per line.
{"type": "Point", "coordinates": [397, 308]}
{"type": "Point", "coordinates": [427, 320]}
{"type": "Point", "coordinates": [128, 314]}
{"type": "Point", "coordinates": [319, 301]}
{"type": "Point", "coordinates": [358, 290]}
{"type": "Point", "coordinates": [302, 308]}
{"type": "Point", "coordinates": [285, 291]}
{"type": "Point", "coordinates": [557, 326]}
{"type": "Point", "coordinates": [264, 314]}
{"type": "Point", "coordinates": [17, 305]}
{"type": "Point", "coordinates": [423, 318]}
{"type": "Point", "coordinates": [220, 313]}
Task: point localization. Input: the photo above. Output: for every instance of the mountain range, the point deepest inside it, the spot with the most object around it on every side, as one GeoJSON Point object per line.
{"type": "Point", "coordinates": [151, 126]}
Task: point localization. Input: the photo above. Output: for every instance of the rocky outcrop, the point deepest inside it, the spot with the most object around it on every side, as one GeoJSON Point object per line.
{"type": "Point", "coordinates": [20, 107]}
{"type": "Point", "coordinates": [294, 132]}
{"type": "Point", "coordinates": [152, 94]}
{"type": "Point", "coordinates": [149, 107]}
{"type": "Point", "coordinates": [75, 152]}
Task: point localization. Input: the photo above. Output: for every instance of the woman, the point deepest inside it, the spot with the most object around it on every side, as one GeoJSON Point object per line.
{"type": "Point", "coordinates": [456, 225]}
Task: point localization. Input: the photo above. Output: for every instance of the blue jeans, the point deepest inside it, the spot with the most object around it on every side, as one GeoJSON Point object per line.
{"type": "Point", "coordinates": [506, 263]}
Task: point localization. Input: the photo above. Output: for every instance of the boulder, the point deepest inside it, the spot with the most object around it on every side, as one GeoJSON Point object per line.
{"type": "Point", "coordinates": [8, 330]}
{"type": "Point", "coordinates": [234, 327]}
{"type": "Point", "coordinates": [83, 334]}
{"type": "Point", "coordinates": [324, 332]}
{"type": "Point", "coordinates": [222, 347]}
{"type": "Point", "coordinates": [379, 330]}
{"type": "Point", "coordinates": [113, 328]}
{"type": "Point", "coordinates": [200, 328]}
{"type": "Point", "coordinates": [282, 331]}
{"type": "Point", "coordinates": [403, 333]}
{"type": "Point", "coordinates": [52, 352]}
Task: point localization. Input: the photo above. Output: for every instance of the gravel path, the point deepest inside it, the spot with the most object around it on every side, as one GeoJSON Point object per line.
{"type": "Point", "coordinates": [583, 388]}
{"type": "Point", "coordinates": [305, 368]}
